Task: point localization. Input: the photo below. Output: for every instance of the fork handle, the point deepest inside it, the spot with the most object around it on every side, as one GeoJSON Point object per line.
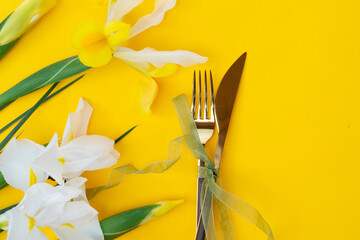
{"type": "Point", "coordinates": [200, 231]}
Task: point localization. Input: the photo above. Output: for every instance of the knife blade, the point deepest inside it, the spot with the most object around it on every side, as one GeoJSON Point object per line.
{"type": "Point", "coordinates": [224, 103]}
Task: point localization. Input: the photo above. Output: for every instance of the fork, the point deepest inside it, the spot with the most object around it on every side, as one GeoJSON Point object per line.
{"type": "Point", "coordinates": [205, 123]}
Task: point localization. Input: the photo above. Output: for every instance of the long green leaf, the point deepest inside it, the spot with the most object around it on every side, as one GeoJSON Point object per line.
{"type": "Point", "coordinates": [51, 74]}
{"type": "Point", "coordinates": [125, 134]}
{"type": "Point", "coordinates": [4, 49]}
{"type": "Point", "coordinates": [3, 183]}
{"type": "Point", "coordinates": [47, 99]}
{"type": "Point", "coordinates": [7, 209]}
{"type": "Point", "coordinates": [25, 118]}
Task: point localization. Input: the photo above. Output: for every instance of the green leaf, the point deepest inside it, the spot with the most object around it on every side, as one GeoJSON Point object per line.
{"type": "Point", "coordinates": [47, 99]}
{"type": "Point", "coordinates": [7, 209]}
{"type": "Point", "coordinates": [3, 183]}
{"type": "Point", "coordinates": [122, 223]}
{"type": "Point", "coordinates": [4, 49]}
{"type": "Point", "coordinates": [51, 74]}
{"type": "Point", "coordinates": [25, 118]}
{"type": "Point", "coordinates": [124, 135]}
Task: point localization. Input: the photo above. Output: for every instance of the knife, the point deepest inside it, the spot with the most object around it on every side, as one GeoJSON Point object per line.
{"type": "Point", "coordinates": [224, 103]}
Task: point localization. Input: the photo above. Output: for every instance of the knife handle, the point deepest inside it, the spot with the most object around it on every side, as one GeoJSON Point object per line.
{"type": "Point", "coordinates": [200, 231]}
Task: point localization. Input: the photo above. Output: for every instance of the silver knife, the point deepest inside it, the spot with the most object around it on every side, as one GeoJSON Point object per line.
{"type": "Point", "coordinates": [224, 103]}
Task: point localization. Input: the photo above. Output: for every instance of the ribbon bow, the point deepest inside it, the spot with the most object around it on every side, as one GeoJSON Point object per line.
{"type": "Point", "coordinates": [211, 190]}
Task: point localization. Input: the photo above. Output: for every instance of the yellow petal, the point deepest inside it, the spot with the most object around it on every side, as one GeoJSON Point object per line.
{"type": "Point", "coordinates": [31, 223]}
{"type": "Point", "coordinates": [62, 160]}
{"type": "Point", "coordinates": [149, 90]}
{"type": "Point", "coordinates": [68, 225]}
{"type": "Point", "coordinates": [87, 33]}
{"type": "Point", "coordinates": [32, 178]}
{"type": "Point", "coordinates": [96, 55]}
{"type": "Point", "coordinates": [117, 32]}
{"type": "Point", "coordinates": [165, 71]}
{"type": "Point", "coordinates": [148, 87]}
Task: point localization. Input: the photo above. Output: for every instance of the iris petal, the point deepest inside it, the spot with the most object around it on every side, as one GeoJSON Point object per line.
{"type": "Point", "coordinates": [153, 19]}
{"type": "Point", "coordinates": [119, 8]}
{"type": "Point", "coordinates": [77, 123]}
{"type": "Point", "coordinates": [85, 32]}
{"type": "Point", "coordinates": [117, 33]}
{"type": "Point", "coordinates": [160, 58]}
{"type": "Point", "coordinates": [97, 55]}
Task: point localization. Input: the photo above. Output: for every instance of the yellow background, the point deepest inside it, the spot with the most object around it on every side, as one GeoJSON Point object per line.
{"type": "Point", "coordinates": [293, 147]}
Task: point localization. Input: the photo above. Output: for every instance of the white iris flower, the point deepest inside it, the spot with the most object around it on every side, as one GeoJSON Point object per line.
{"type": "Point", "coordinates": [62, 208]}
{"type": "Point", "coordinates": [24, 163]}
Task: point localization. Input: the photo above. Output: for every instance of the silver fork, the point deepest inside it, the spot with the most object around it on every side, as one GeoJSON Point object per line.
{"type": "Point", "coordinates": [205, 124]}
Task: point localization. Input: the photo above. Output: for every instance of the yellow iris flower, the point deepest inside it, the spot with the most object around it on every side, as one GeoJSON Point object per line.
{"type": "Point", "coordinates": [98, 44]}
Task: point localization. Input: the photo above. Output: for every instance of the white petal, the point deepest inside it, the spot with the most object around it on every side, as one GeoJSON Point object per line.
{"type": "Point", "coordinates": [105, 162]}
{"type": "Point", "coordinates": [44, 203]}
{"type": "Point", "coordinates": [77, 122]}
{"type": "Point", "coordinates": [80, 184]}
{"type": "Point", "coordinates": [18, 224]}
{"type": "Point", "coordinates": [87, 230]}
{"type": "Point", "coordinates": [36, 234]}
{"type": "Point", "coordinates": [51, 207]}
{"type": "Point", "coordinates": [76, 211]}
{"type": "Point", "coordinates": [160, 58]}
{"type": "Point", "coordinates": [49, 162]}
{"type": "Point", "coordinates": [153, 19]}
{"type": "Point", "coordinates": [119, 8]}
{"type": "Point", "coordinates": [19, 227]}
{"type": "Point", "coordinates": [124, 53]}
{"type": "Point", "coordinates": [47, 204]}
{"type": "Point", "coordinates": [17, 160]}
{"type": "Point", "coordinates": [81, 153]}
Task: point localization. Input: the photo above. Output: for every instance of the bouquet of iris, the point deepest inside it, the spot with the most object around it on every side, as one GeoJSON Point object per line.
{"type": "Point", "coordinates": [54, 192]}
{"type": "Point", "coordinates": [49, 174]}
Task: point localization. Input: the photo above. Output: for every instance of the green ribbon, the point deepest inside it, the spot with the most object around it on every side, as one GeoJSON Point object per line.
{"type": "Point", "coordinates": [118, 174]}
{"type": "Point", "coordinates": [212, 191]}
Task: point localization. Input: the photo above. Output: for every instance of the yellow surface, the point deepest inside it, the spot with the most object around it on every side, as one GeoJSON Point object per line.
{"type": "Point", "coordinates": [293, 148]}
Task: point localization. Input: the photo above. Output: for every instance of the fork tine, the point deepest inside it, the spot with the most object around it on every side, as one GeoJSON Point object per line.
{"type": "Point", "coordinates": [200, 98]}
{"type": "Point", "coordinates": [193, 101]}
{"type": "Point", "coordinates": [212, 97]}
{"type": "Point", "coordinates": [206, 98]}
